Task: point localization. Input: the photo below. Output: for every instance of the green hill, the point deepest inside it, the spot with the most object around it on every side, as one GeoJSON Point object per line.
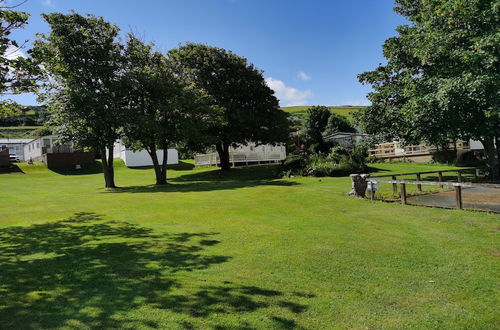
{"type": "Point", "coordinates": [344, 110]}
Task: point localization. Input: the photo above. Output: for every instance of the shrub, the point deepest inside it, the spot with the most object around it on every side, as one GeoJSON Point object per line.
{"type": "Point", "coordinates": [340, 162]}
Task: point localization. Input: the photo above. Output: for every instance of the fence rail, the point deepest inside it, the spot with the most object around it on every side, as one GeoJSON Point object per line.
{"type": "Point", "coordinates": [212, 159]}
{"type": "Point", "coordinates": [419, 182]}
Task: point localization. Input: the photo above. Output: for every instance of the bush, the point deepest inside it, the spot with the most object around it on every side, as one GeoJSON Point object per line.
{"type": "Point", "coordinates": [340, 162]}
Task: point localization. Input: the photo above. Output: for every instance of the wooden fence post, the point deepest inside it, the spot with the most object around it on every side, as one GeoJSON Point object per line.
{"type": "Point", "coordinates": [419, 186]}
{"type": "Point", "coordinates": [459, 176]}
{"type": "Point", "coordinates": [394, 186]}
{"type": "Point", "coordinates": [440, 178]}
{"type": "Point", "coordinates": [458, 196]}
{"type": "Point", "coordinates": [476, 174]}
{"type": "Point", "coordinates": [403, 194]}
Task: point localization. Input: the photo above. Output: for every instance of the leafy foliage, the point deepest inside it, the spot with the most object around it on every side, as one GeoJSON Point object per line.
{"type": "Point", "coordinates": [340, 161]}
{"type": "Point", "coordinates": [163, 111]}
{"type": "Point", "coordinates": [442, 77]}
{"type": "Point", "coordinates": [15, 70]}
{"type": "Point", "coordinates": [338, 123]}
{"type": "Point", "coordinates": [83, 84]}
{"type": "Point", "coordinates": [250, 111]}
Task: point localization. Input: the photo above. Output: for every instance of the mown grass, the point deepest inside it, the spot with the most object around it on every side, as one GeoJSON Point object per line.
{"type": "Point", "coordinates": [236, 251]}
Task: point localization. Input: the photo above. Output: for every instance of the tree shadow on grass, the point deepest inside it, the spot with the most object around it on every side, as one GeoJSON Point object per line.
{"type": "Point", "coordinates": [94, 168]}
{"type": "Point", "coordinates": [181, 166]}
{"type": "Point", "coordinates": [12, 169]}
{"type": "Point", "coordinates": [85, 271]}
{"type": "Point", "coordinates": [241, 177]}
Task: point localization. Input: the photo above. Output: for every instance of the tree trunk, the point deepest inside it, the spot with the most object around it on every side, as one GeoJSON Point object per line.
{"type": "Point", "coordinates": [491, 157]}
{"type": "Point", "coordinates": [107, 167]}
{"type": "Point", "coordinates": [497, 144]}
{"type": "Point", "coordinates": [164, 164]}
{"type": "Point", "coordinates": [223, 151]}
{"type": "Point", "coordinates": [159, 172]}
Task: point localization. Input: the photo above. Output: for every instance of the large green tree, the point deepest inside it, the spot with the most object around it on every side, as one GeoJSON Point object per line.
{"type": "Point", "coordinates": [338, 123]}
{"type": "Point", "coordinates": [83, 82]}
{"type": "Point", "coordinates": [441, 81]}
{"type": "Point", "coordinates": [250, 111]}
{"type": "Point", "coordinates": [315, 124]}
{"type": "Point", "coordinates": [162, 110]}
{"type": "Point", "coordinates": [15, 70]}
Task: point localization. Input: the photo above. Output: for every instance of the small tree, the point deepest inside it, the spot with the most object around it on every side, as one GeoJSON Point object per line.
{"type": "Point", "coordinates": [162, 110]}
{"type": "Point", "coordinates": [83, 87]}
{"type": "Point", "coordinates": [316, 123]}
{"type": "Point", "coordinates": [250, 111]}
{"type": "Point", "coordinates": [338, 123]}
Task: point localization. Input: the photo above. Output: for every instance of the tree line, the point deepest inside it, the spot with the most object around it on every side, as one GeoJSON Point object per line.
{"type": "Point", "coordinates": [99, 89]}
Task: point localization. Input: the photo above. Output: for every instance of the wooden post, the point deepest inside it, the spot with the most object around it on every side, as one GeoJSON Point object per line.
{"type": "Point", "coordinates": [459, 176]}
{"type": "Point", "coordinates": [403, 194]}
{"type": "Point", "coordinates": [476, 174]}
{"type": "Point", "coordinates": [394, 186]}
{"type": "Point", "coordinates": [458, 196]}
{"type": "Point", "coordinates": [419, 186]}
{"type": "Point", "coordinates": [440, 178]}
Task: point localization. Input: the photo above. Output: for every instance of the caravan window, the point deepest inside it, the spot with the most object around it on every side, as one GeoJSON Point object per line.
{"type": "Point", "coordinates": [46, 143]}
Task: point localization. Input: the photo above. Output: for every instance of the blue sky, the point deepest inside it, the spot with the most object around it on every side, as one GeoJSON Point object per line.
{"type": "Point", "coordinates": [310, 51]}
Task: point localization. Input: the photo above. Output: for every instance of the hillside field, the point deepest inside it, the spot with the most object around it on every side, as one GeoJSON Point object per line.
{"type": "Point", "coordinates": [242, 250]}
{"type": "Point", "coordinates": [346, 111]}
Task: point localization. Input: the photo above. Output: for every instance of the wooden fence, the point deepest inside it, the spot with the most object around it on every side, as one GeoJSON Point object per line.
{"type": "Point", "coordinates": [402, 183]}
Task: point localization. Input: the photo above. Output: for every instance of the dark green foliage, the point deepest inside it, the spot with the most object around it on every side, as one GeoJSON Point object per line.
{"type": "Point", "coordinates": [250, 111]}
{"type": "Point", "coordinates": [27, 116]}
{"type": "Point", "coordinates": [162, 109]}
{"type": "Point", "coordinates": [82, 84]}
{"type": "Point", "coordinates": [315, 125]}
{"type": "Point", "coordinates": [15, 71]}
{"type": "Point", "coordinates": [340, 162]}
{"type": "Point", "coordinates": [442, 76]}
{"type": "Point", "coordinates": [338, 123]}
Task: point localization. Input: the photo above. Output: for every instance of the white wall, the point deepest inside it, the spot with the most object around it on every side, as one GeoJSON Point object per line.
{"type": "Point", "coordinates": [475, 145]}
{"type": "Point", "coordinates": [142, 158]}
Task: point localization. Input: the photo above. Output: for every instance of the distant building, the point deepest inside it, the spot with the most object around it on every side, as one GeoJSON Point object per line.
{"type": "Point", "coordinates": [250, 153]}
{"type": "Point", "coordinates": [55, 154]}
{"type": "Point", "coordinates": [345, 139]}
{"type": "Point", "coordinates": [36, 148]}
{"type": "Point", "coordinates": [142, 157]}
{"type": "Point", "coordinates": [15, 146]}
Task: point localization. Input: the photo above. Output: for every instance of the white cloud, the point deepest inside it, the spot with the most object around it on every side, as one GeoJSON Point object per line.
{"type": "Point", "coordinates": [48, 3]}
{"type": "Point", "coordinates": [291, 96]}
{"type": "Point", "coordinates": [303, 76]}
{"type": "Point", "coordinates": [13, 52]}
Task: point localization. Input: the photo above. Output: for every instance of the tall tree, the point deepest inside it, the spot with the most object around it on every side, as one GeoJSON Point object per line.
{"type": "Point", "coordinates": [441, 80]}
{"type": "Point", "coordinates": [250, 111]}
{"type": "Point", "coordinates": [315, 125]}
{"type": "Point", "coordinates": [162, 110]}
{"type": "Point", "coordinates": [15, 70]}
{"type": "Point", "coordinates": [83, 85]}
{"type": "Point", "coordinates": [338, 123]}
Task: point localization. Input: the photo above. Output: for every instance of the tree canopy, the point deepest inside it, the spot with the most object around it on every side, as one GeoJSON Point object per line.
{"type": "Point", "coordinates": [162, 110]}
{"type": "Point", "coordinates": [83, 87]}
{"type": "Point", "coordinates": [15, 71]}
{"type": "Point", "coordinates": [441, 80]}
{"type": "Point", "coordinates": [250, 111]}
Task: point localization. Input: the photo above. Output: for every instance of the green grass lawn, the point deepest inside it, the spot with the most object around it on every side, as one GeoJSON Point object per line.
{"type": "Point", "coordinates": [237, 251]}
